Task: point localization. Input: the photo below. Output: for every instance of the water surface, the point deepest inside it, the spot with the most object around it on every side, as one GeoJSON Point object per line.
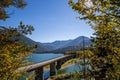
{"type": "Point", "coordinates": [36, 57]}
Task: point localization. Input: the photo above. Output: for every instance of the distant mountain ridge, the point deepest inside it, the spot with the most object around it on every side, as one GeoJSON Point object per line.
{"type": "Point", "coordinates": [56, 44]}
{"type": "Point", "coordinates": [66, 45]}
{"type": "Point", "coordinates": [76, 44]}
{"type": "Point", "coordinates": [30, 42]}
{"type": "Point", "coordinates": [59, 46]}
{"type": "Point", "coordinates": [77, 41]}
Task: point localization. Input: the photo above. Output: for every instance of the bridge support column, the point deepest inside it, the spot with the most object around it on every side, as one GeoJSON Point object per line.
{"type": "Point", "coordinates": [39, 74]}
{"type": "Point", "coordinates": [58, 66]}
{"type": "Point", "coordinates": [52, 69]}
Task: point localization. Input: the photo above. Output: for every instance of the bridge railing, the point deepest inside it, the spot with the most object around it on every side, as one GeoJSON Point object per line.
{"type": "Point", "coordinates": [39, 67]}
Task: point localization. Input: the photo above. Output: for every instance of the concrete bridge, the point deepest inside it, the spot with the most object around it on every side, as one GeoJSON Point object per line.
{"type": "Point", "coordinates": [39, 67]}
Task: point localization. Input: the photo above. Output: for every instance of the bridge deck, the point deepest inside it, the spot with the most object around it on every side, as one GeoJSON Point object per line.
{"type": "Point", "coordinates": [41, 64]}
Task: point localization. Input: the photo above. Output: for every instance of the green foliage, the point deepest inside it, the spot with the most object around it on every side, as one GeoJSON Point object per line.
{"type": "Point", "coordinates": [4, 4]}
{"type": "Point", "coordinates": [104, 17]}
{"type": "Point", "coordinates": [66, 76]}
{"type": "Point", "coordinates": [13, 51]}
{"type": "Point", "coordinates": [83, 65]}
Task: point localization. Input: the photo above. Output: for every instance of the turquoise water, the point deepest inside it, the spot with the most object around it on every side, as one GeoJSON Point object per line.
{"type": "Point", "coordinates": [35, 57]}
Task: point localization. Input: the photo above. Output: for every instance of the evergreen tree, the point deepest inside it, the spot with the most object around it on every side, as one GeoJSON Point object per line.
{"type": "Point", "coordinates": [104, 17]}
{"type": "Point", "coordinates": [13, 50]}
{"type": "Point", "coordinates": [4, 4]}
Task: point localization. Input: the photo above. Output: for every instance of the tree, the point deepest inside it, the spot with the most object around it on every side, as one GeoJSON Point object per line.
{"type": "Point", "coordinates": [4, 4]}
{"type": "Point", "coordinates": [13, 50]}
{"type": "Point", "coordinates": [104, 17]}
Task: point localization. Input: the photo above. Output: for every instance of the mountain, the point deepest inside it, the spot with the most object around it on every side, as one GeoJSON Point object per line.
{"type": "Point", "coordinates": [30, 42]}
{"type": "Point", "coordinates": [59, 46]}
{"type": "Point", "coordinates": [56, 44]}
{"type": "Point", "coordinates": [68, 48]}
{"type": "Point", "coordinates": [65, 45]}
{"type": "Point", "coordinates": [77, 41]}
{"type": "Point", "coordinates": [75, 44]}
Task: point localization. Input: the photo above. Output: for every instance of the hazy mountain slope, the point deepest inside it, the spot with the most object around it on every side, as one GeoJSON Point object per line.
{"type": "Point", "coordinates": [61, 46]}
{"type": "Point", "coordinates": [30, 42]}
{"type": "Point", "coordinates": [56, 44]}
{"type": "Point", "coordinates": [69, 48]}
{"type": "Point", "coordinates": [77, 41]}
{"type": "Point", "coordinates": [73, 46]}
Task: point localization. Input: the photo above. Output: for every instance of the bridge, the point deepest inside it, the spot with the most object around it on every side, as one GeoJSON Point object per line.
{"type": "Point", "coordinates": [54, 63]}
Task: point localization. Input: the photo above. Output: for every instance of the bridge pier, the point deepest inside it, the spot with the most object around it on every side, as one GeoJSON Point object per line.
{"type": "Point", "coordinates": [52, 69]}
{"type": "Point", "coordinates": [39, 73]}
{"type": "Point", "coordinates": [58, 66]}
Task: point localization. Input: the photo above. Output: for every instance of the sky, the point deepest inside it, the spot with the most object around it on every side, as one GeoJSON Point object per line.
{"type": "Point", "coordinates": [52, 19]}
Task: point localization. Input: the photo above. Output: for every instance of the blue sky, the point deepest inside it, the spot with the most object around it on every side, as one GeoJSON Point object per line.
{"type": "Point", "coordinates": [52, 20]}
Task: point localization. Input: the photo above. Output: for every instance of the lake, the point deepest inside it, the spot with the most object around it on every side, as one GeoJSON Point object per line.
{"type": "Point", "coordinates": [35, 57]}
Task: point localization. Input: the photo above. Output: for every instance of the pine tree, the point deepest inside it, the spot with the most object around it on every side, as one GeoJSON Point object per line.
{"type": "Point", "coordinates": [13, 50]}
{"type": "Point", "coordinates": [4, 4]}
{"type": "Point", "coordinates": [104, 17]}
